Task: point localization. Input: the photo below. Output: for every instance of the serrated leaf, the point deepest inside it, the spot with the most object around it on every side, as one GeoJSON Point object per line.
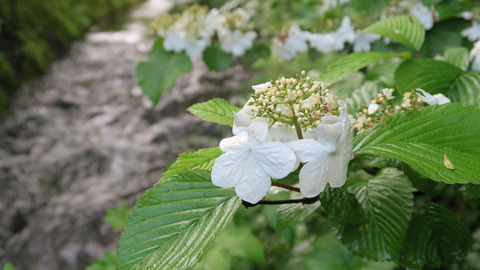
{"type": "Point", "coordinates": [387, 203]}
{"type": "Point", "coordinates": [341, 206]}
{"type": "Point", "coordinates": [431, 75]}
{"type": "Point", "coordinates": [360, 96]}
{"type": "Point", "coordinates": [436, 237]}
{"type": "Point", "coordinates": [353, 62]}
{"type": "Point", "coordinates": [161, 70]}
{"type": "Point", "coordinates": [216, 110]}
{"type": "Point", "coordinates": [422, 138]}
{"type": "Point", "coordinates": [466, 89]}
{"type": "Point", "coordinates": [404, 29]}
{"type": "Point", "coordinates": [202, 159]}
{"type": "Point", "coordinates": [449, 9]}
{"type": "Point", "coordinates": [384, 72]}
{"type": "Point", "coordinates": [372, 7]}
{"type": "Point", "coordinates": [174, 223]}
{"type": "Point", "coordinates": [292, 214]}
{"type": "Point", "coordinates": [216, 59]}
{"type": "Point", "coordinates": [457, 56]}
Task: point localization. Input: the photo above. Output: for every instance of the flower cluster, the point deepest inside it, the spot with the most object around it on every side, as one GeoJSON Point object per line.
{"type": "Point", "coordinates": [286, 122]}
{"type": "Point", "coordinates": [383, 105]}
{"type": "Point", "coordinates": [194, 29]}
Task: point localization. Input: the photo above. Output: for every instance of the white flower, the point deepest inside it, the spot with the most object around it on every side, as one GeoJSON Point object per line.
{"type": "Point", "coordinates": [423, 14]}
{"type": "Point", "coordinates": [361, 42]}
{"type": "Point", "coordinates": [432, 100]}
{"type": "Point", "coordinates": [472, 33]}
{"type": "Point", "coordinates": [345, 32]}
{"type": "Point", "coordinates": [326, 159]}
{"type": "Point", "coordinates": [325, 43]}
{"type": "Point", "coordinates": [178, 41]}
{"type": "Point", "coordinates": [249, 163]}
{"type": "Point", "coordinates": [372, 108]}
{"type": "Point", "coordinates": [294, 43]}
{"type": "Point", "coordinates": [475, 56]}
{"type": "Point", "coordinates": [387, 92]}
{"type": "Point", "coordinates": [236, 42]}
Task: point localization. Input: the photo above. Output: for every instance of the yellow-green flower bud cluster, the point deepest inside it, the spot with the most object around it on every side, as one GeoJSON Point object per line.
{"type": "Point", "coordinates": [299, 102]}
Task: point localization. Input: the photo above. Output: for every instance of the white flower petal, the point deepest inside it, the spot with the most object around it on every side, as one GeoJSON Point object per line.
{"type": "Point", "coordinates": [258, 130]}
{"type": "Point", "coordinates": [314, 177]}
{"type": "Point", "coordinates": [372, 108]}
{"type": "Point", "coordinates": [254, 186]}
{"type": "Point", "coordinates": [441, 99]}
{"type": "Point", "coordinates": [275, 158]}
{"type": "Point", "coordinates": [308, 150]}
{"type": "Point", "coordinates": [235, 142]}
{"type": "Point", "coordinates": [229, 168]}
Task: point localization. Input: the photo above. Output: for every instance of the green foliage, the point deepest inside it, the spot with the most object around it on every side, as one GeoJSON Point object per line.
{"type": "Point", "coordinates": [234, 242]}
{"type": "Point", "coordinates": [435, 237]}
{"type": "Point", "coordinates": [174, 223]}
{"type": "Point", "coordinates": [216, 59]}
{"type": "Point", "coordinates": [329, 254]}
{"type": "Point", "coordinates": [8, 266]}
{"type": "Point", "coordinates": [466, 89]}
{"type": "Point", "coordinates": [431, 75]}
{"type": "Point", "coordinates": [404, 29]}
{"type": "Point", "coordinates": [384, 72]}
{"type": "Point", "coordinates": [457, 56]}
{"type": "Point", "coordinates": [354, 62]}
{"type": "Point", "coordinates": [109, 262]}
{"type": "Point", "coordinates": [117, 217]}
{"type": "Point", "coordinates": [386, 201]}
{"type": "Point", "coordinates": [423, 138]}
{"type": "Point", "coordinates": [161, 70]}
{"type": "Point", "coordinates": [202, 159]}
{"type": "Point", "coordinates": [258, 51]}
{"type": "Point", "coordinates": [360, 95]}
{"type": "Point", "coordinates": [216, 110]}
{"type": "Point", "coordinates": [291, 214]}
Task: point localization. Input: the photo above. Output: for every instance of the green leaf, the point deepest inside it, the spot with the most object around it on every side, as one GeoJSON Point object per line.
{"type": "Point", "coordinates": [371, 7]}
{"type": "Point", "coordinates": [329, 254]}
{"type": "Point", "coordinates": [160, 71]}
{"type": "Point", "coordinates": [202, 159]}
{"type": "Point", "coordinates": [353, 62]}
{"type": "Point", "coordinates": [450, 8]}
{"type": "Point", "coordinates": [466, 89]}
{"type": "Point", "coordinates": [457, 56]}
{"type": "Point", "coordinates": [387, 203]}
{"type": "Point", "coordinates": [360, 96]}
{"type": "Point", "coordinates": [175, 222]}
{"type": "Point", "coordinates": [117, 217]}
{"type": "Point", "coordinates": [384, 72]}
{"type": "Point", "coordinates": [8, 266]}
{"type": "Point", "coordinates": [256, 52]}
{"type": "Point", "coordinates": [216, 111]}
{"type": "Point", "coordinates": [109, 262]}
{"type": "Point", "coordinates": [404, 29]}
{"type": "Point", "coordinates": [234, 242]}
{"type": "Point", "coordinates": [292, 214]}
{"type": "Point", "coordinates": [341, 206]}
{"type": "Point", "coordinates": [436, 237]}
{"type": "Point", "coordinates": [422, 138]}
{"type": "Point", "coordinates": [216, 59]}
{"type": "Point", "coordinates": [431, 75]}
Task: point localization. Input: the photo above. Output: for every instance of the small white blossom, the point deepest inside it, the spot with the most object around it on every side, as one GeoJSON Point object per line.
{"type": "Point", "coordinates": [475, 56]}
{"type": "Point", "coordinates": [345, 33]}
{"type": "Point", "coordinates": [236, 42]}
{"type": "Point", "coordinates": [372, 108]}
{"type": "Point", "coordinates": [472, 32]}
{"type": "Point", "coordinates": [294, 43]}
{"type": "Point", "coordinates": [249, 163]}
{"type": "Point", "coordinates": [387, 92]}
{"type": "Point", "coordinates": [178, 41]}
{"type": "Point", "coordinates": [432, 100]}
{"type": "Point", "coordinates": [361, 42]}
{"type": "Point", "coordinates": [423, 14]}
{"type": "Point", "coordinates": [326, 159]}
{"type": "Point", "coordinates": [326, 43]}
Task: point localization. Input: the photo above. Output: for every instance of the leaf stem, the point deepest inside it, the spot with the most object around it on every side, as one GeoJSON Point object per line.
{"type": "Point", "coordinates": [417, 53]}
{"type": "Point", "coordinates": [267, 202]}
{"type": "Point", "coordinates": [287, 187]}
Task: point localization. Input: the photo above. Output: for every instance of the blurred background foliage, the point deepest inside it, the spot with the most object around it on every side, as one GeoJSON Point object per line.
{"type": "Point", "coordinates": [34, 33]}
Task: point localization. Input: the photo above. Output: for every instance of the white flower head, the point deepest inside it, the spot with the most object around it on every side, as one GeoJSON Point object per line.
{"type": "Point", "coordinates": [372, 108]}
{"type": "Point", "coordinates": [345, 33]}
{"type": "Point", "coordinates": [361, 42]}
{"type": "Point", "coordinates": [236, 41]}
{"type": "Point", "coordinates": [294, 43]}
{"type": "Point", "coordinates": [326, 43]}
{"type": "Point", "coordinates": [249, 163]}
{"type": "Point", "coordinates": [432, 100]}
{"type": "Point", "coordinates": [326, 159]}
{"type": "Point", "coordinates": [472, 32]}
{"type": "Point", "coordinates": [424, 15]}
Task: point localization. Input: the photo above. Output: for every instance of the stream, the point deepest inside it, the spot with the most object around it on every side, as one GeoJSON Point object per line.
{"type": "Point", "coordinates": [82, 139]}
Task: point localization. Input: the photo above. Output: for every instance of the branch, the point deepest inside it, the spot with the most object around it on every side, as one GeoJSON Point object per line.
{"type": "Point", "coordinates": [287, 187]}
{"type": "Point", "coordinates": [267, 202]}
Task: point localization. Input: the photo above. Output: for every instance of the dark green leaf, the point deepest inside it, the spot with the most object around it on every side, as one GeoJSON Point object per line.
{"type": "Point", "coordinates": [457, 56]}
{"type": "Point", "coordinates": [216, 111]}
{"type": "Point", "coordinates": [291, 214]}
{"type": "Point", "coordinates": [354, 62]}
{"type": "Point", "coordinates": [216, 59]}
{"type": "Point", "coordinates": [423, 138]}
{"type": "Point", "coordinates": [360, 96]}
{"type": "Point", "coordinates": [384, 72]}
{"type": "Point", "coordinates": [430, 75]}
{"type": "Point", "coordinates": [341, 206]}
{"type": "Point", "coordinates": [371, 7]}
{"type": "Point", "coordinates": [404, 29]}
{"type": "Point", "coordinates": [203, 159]}
{"type": "Point", "coordinates": [175, 222]}
{"type": "Point", "coordinates": [436, 237]}
{"type": "Point", "coordinates": [256, 52]}
{"type": "Point", "coordinates": [466, 89]}
{"type": "Point", "coordinates": [160, 71]}
{"type": "Point", "coordinates": [387, 203]}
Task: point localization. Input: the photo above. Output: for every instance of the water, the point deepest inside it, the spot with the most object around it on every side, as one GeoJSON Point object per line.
{"type": "Point", "coordinates": [82, 139]}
